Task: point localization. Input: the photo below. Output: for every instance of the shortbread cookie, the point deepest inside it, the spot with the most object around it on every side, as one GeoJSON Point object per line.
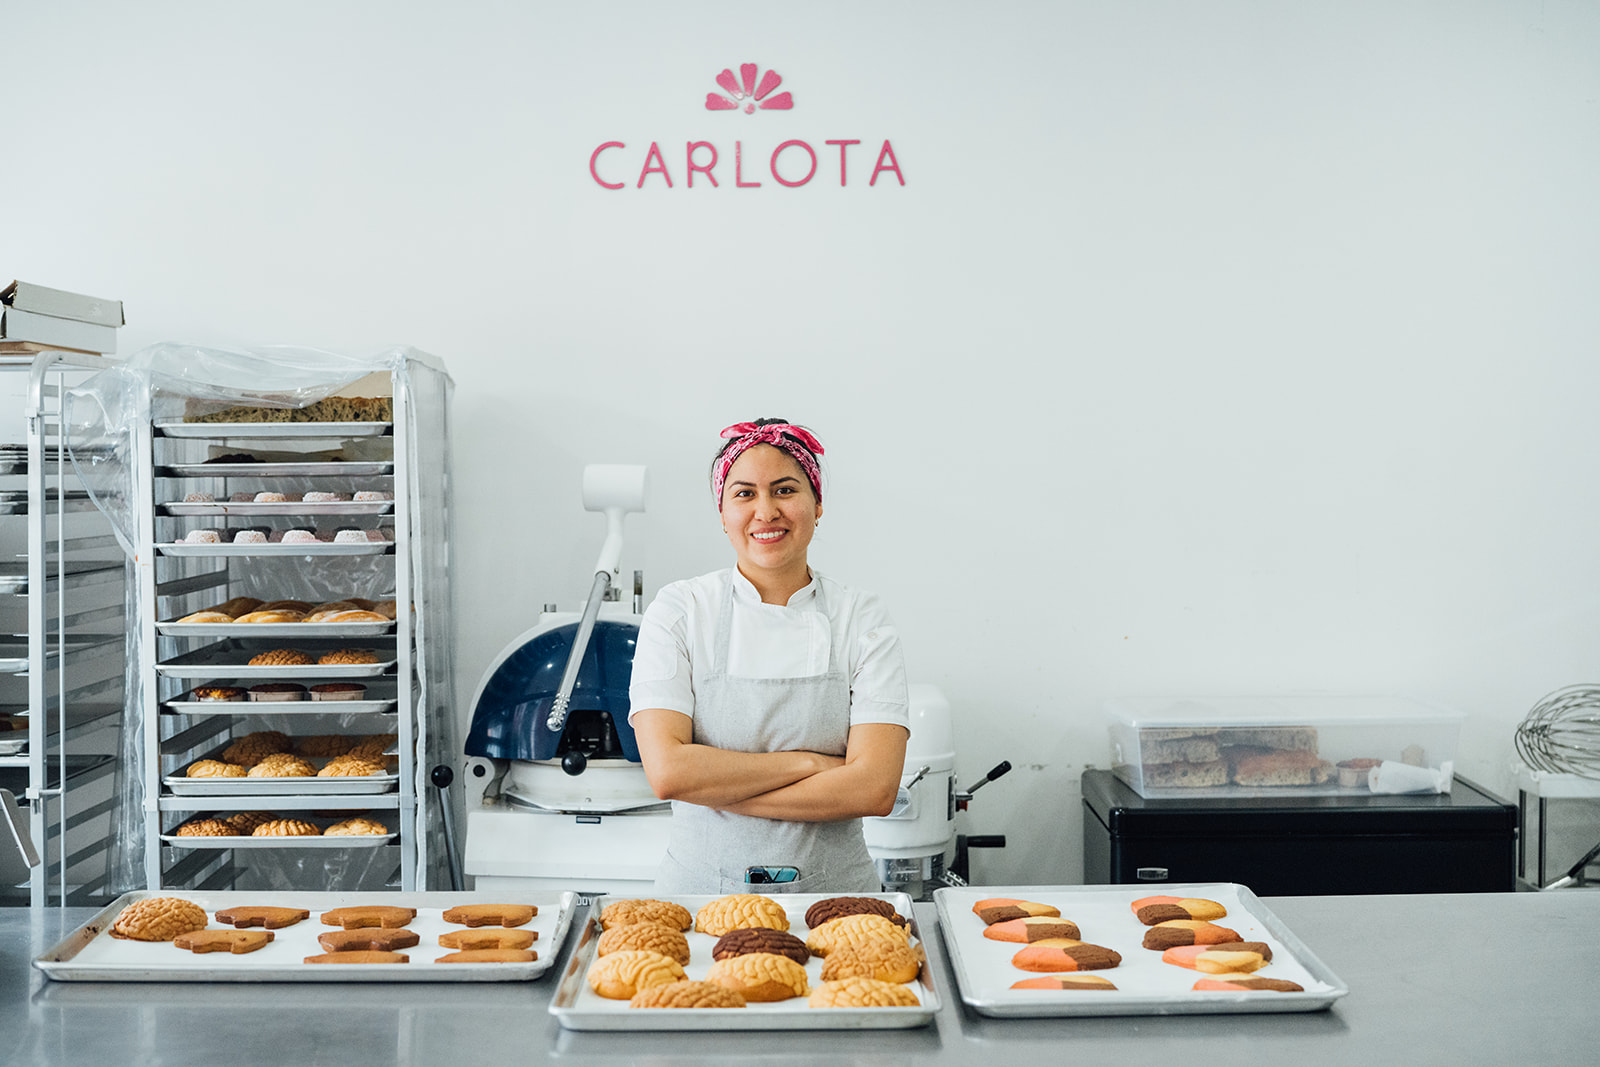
{"type": "Point", "coordinates": [851, 930]}
{"type": "Point", "coordinates": [206, 828]}
{"type": "Point", "coordinates": [215, 768]}
{"type": "Point", "coordinates": [388, 916]}
{"type": "Point", "coordinates": [287, 828]}
{"type": "Point", "coordinates": [238, 942]}
{"type": "Point", "coordinates": [622, 974]}
{"type": "Point", "coordinates": [490, 937]}
{"type": "Point", "coordinates": [760, 939]}
{"type": "Point", "coordinates": [649, 936]}
{"type": "Point", "coordinates": [281, 657]}
{"type": "Point", "coordinates": [282, 765]}
{"type": "Point", "coordinates": [1174, 932]}
{"type": "Point", "coordinates": [738, 911]}
{"type": "Point", "coordinates": [360, 957]}
{"type": "Point", "coordinates": [1248, 983]}
{"type": "Point", "coordinates": [687, 995]}
{"type": "Point", "coordinates": [862, 993]}
{"type": "Point", "coordinates": [834, 907]}
{"type": "Point", "coordinates": [490, 955]}
{"type": "Point", "coordinates": [158, 919]}
{"type": "Point", "coordinates": [884, 958]}
{"type": "Point", "coordinates": [1226, 958]}
{"type": "Point", "coordinates": [1064, 981]}
{"type": "Point", "coordinates": [271, 918]}
{"type": "Point", "coordinates": [1029, 930]}
{"type": "Point", "coordinates": [491, 914]}
{"type": "Point", "coordinates": [999, 909]}
{"type": "Point", "coordinates": [1064, 954]}
{"type": "Point", "coordinates": [1152, 910]}
{"type": "Point", "coordinates": [760, 977]}
{"type": "Point", "coordinates": [661, 912]}
{"type": "Point", "coordinates": [368, 939]}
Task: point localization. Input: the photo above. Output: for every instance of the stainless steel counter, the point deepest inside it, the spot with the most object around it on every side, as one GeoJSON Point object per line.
{"type": "Point", "coordinates": [1458, 979]}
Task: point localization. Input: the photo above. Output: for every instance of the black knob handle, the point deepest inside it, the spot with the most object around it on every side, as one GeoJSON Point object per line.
{"type": "Point", "coordinates": [442, 776]}
{"type": "Point", "coordinates": [1000, 770]}
{"type": "Point", "coordinates": [574, 763]}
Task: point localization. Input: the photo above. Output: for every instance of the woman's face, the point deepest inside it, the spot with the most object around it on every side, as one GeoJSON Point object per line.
{"type": "Point", "coordinates": [768, 509]}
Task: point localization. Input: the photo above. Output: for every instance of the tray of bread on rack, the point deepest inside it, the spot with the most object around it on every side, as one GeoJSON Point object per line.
{"type": "Point", "coordinates": [293, 659]}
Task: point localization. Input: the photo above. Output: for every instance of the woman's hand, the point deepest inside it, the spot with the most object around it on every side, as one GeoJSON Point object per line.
{"type": "Point", "coordinates": [679, 769]}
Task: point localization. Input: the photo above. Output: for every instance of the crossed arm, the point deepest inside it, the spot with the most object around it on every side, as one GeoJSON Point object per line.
{"type": "Point", "coordinates": [799, 786]}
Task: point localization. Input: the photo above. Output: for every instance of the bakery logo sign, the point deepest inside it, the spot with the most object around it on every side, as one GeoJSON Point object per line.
{"type": "Point", "coordinates": [793, 163]}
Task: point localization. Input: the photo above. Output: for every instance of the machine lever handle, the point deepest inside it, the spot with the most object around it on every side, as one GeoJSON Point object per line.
{"type": "Point", "coordinates": [922, 772]}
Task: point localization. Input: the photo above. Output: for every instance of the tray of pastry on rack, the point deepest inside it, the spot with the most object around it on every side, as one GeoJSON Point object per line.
{"type": "Point", "coordinates": [253, 617]}
{"type": "Point", "coordinates": [271, 763]}
{"type": "Point", "coordinates": [216, 697]}
{"type": "Point", "coordinates": [276, 829]}
{"type": "Point", "coordinates": [293, 659]}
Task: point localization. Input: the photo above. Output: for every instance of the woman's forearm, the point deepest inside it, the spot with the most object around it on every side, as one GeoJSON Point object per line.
{"type": "Point", "coordinates": [864, 784]}
{"type": "Point", "coordinates": [721, 778]}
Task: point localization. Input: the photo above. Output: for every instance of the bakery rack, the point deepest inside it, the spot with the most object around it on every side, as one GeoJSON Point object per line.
{"type": "Point", "coordinates": [63, 607]}
{"type": "Point", "coordinates": [407, 688]}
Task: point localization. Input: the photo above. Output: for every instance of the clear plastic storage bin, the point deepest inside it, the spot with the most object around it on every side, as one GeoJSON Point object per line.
{"type": "Point", "coordinates": [1299, 746]}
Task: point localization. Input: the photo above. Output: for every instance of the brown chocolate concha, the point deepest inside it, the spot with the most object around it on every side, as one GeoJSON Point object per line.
{"type": "Point", "coordinates": [834, 907]}
{"type": "Point", "coordinates": [760, 939]}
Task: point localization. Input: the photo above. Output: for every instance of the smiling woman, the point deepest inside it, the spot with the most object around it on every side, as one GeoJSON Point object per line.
{"type": "Point", "coordinates": [769, 702]}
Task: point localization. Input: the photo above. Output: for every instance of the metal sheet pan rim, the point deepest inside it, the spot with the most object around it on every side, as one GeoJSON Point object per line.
{"type": "Point", "coordinates": [320, 548]}
{"type": "Point", "coordinates": [57, 963]}
{"type": "Point", "coordinates": [784, 1015]}
{"type": "Point", "coordinates": [285, 841]}
{"type": "Point", "coordinates": [1118, 1002]}
{"type": "Point", "coordinates": [245, 671]}
{"type": "Point", "coordinates": [179, 428]}
{"type": "Point", "coordinates": [281, 707]}
{"type": "Point", "coordinates": [275, 629]}
{"type": "Point", "coordinates": [279, 507]}
{"type": "Point", "coordinates": [312, 469]}
{"type": "Point", "coordinates": [274, 787]}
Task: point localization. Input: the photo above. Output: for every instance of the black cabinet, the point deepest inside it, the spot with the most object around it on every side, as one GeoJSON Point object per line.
{"type": "Point", "coordinates": [1462, 842]}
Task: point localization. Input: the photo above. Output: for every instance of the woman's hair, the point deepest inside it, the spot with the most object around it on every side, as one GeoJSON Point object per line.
{"type": "Point", "coordinates": [798, 441]}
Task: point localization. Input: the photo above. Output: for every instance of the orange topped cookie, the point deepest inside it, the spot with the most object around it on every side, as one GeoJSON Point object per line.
{"type": "Point", "coordinates": [999, 909]}
{"type": "Point", "coordinates": [1230, 956]}
{"type": "Point", "coordinates": [1152, 910]}
{"type": "Point", "coordinates": [1173, 932]}
{"type": "Point", "coordinates": [1031, 929]}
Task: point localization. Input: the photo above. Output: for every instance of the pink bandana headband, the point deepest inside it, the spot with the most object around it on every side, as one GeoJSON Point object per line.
{"type": "Point", "coordinates": [804, 447]}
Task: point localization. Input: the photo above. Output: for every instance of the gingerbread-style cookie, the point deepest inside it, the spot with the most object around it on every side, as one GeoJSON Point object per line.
{"type": "Point", "coordinates": [368, 939]}
{"type": "Point", "coordinates": [649, 936]}
{"type": "Point", "coordinates": [862, 993]}
{"type": "Point", "coordinates": [687, 995]}
{"type": "Point", "coordinates": [760, 939]}
{"type": "Point", "coordinates": [1228, 957]}
{"type": "Point", "coordinates": [1152, 910]}
{"type": "Point", "coordinates": [490, 937]}
{"type": "Point", "coordinates": [887, 959]}
{"type": "Point", "coordinates": [1065, 954]}
{"type": "Point", "coordinates": [388, 916]}
{"type": "Point", "coordinates": [490, 955]}
{"type": "Point", "coordinates": [1064, 981]}
{"type": "Point", "coordinates": [661, 912]}
{"type": "Point", "coordinates": [238, 942]}
{"type": "Point", "coordinates": [999, 909]}
{"type": "Point", "coordinates": [620, 975]}
{"type": "Point", "coordinates": [491, 914]}
{"type": "Point", "coordinates": [1172, 932]}
{"type": "Point", "coordinates": [272, 918]}
{"type": "Point", "coordinates": [1248, 983]}
{"type": "Point", "coordinates": [1030, 929]}
{"type": "Point", "coordinates": [739, 910]}
{"type": "Point", "coordinates": [360, 957]}
{"type": "Point", "coordinates": [851, 930]}
{"type": "Point", "coordinates": [834, 907]}
{"type": "Point", "coordinates": [760, 977]}
{"type": "Point", "coordinates": [158, 919]}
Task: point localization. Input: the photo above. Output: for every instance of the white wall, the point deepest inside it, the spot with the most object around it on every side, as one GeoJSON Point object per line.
{"type": "Point", "coordinates": [1209, 347]}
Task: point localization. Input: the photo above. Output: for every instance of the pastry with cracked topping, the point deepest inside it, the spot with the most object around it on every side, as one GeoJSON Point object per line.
{"type": "Point", "coordinates": [650, 936]}
{"type": "Point", "coordinates": [739, 910]}
{"type": "Point", "coordinates": [158, 919]}
{"type": "Point", "coordinates": [760, 939]}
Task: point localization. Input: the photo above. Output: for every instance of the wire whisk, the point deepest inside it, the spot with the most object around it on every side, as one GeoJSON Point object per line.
{"type": "Point", "coordinates": [1562, 733]}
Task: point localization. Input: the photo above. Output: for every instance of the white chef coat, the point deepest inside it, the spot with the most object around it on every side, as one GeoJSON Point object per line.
{"type": "Point", "coordinates": [768, 641]}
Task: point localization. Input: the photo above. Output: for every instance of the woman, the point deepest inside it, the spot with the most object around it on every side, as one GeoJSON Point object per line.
{"type": "Point", "coordinates": [769, 703]}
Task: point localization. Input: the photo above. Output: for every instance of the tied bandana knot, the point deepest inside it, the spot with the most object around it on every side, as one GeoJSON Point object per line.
{"type": "Point", "coordinates": [797, 441]}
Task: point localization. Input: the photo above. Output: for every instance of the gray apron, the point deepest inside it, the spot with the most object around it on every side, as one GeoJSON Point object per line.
{"type": "Point", "coordinates": [709, 850]}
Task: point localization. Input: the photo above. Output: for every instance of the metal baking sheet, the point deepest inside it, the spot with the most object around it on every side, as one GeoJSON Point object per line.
{"type": "Point", "coordinates": [577, 1007]}
{"type": "Point", "coordinates": [275, 629]}
{"type": "Point", "coordinates": [319, 548]}
{"type": "Point", "coordinates": [89, 954]}
{"type": "Point", "coordinates": [183, 786]}
{"type": "Point", "coordinates": [232, 659]}
{"type": "Point", "coordinates": [279, 507]}
{"type": "Point", "coordinates": [179, 428]}
{"type": "Point", "coordinates": [11, 746]}
{"type": "Point", "coordinates": [280, 707]}
{"type": "Point", "coordinates": [285, 841]}
{"type": "Point", "coordinates": [1145, 985]}
{"type": "Point", "coordinates": [318, 469]}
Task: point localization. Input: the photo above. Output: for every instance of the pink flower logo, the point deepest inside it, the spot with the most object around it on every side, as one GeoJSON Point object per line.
{"type": "Point", "coordinates": [745, 94]}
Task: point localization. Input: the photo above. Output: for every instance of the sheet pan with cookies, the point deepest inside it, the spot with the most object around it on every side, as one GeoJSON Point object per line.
{"type": "Point", "coordinates": [748, 961]}
{"type": "Point", "coordinates": [270, 936]}
{"type": "Point", "coordinates": [1158, 949]}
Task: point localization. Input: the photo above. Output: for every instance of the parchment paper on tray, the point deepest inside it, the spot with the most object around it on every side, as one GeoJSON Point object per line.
{"type": "Point", "coordinates": [1144, 984]}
